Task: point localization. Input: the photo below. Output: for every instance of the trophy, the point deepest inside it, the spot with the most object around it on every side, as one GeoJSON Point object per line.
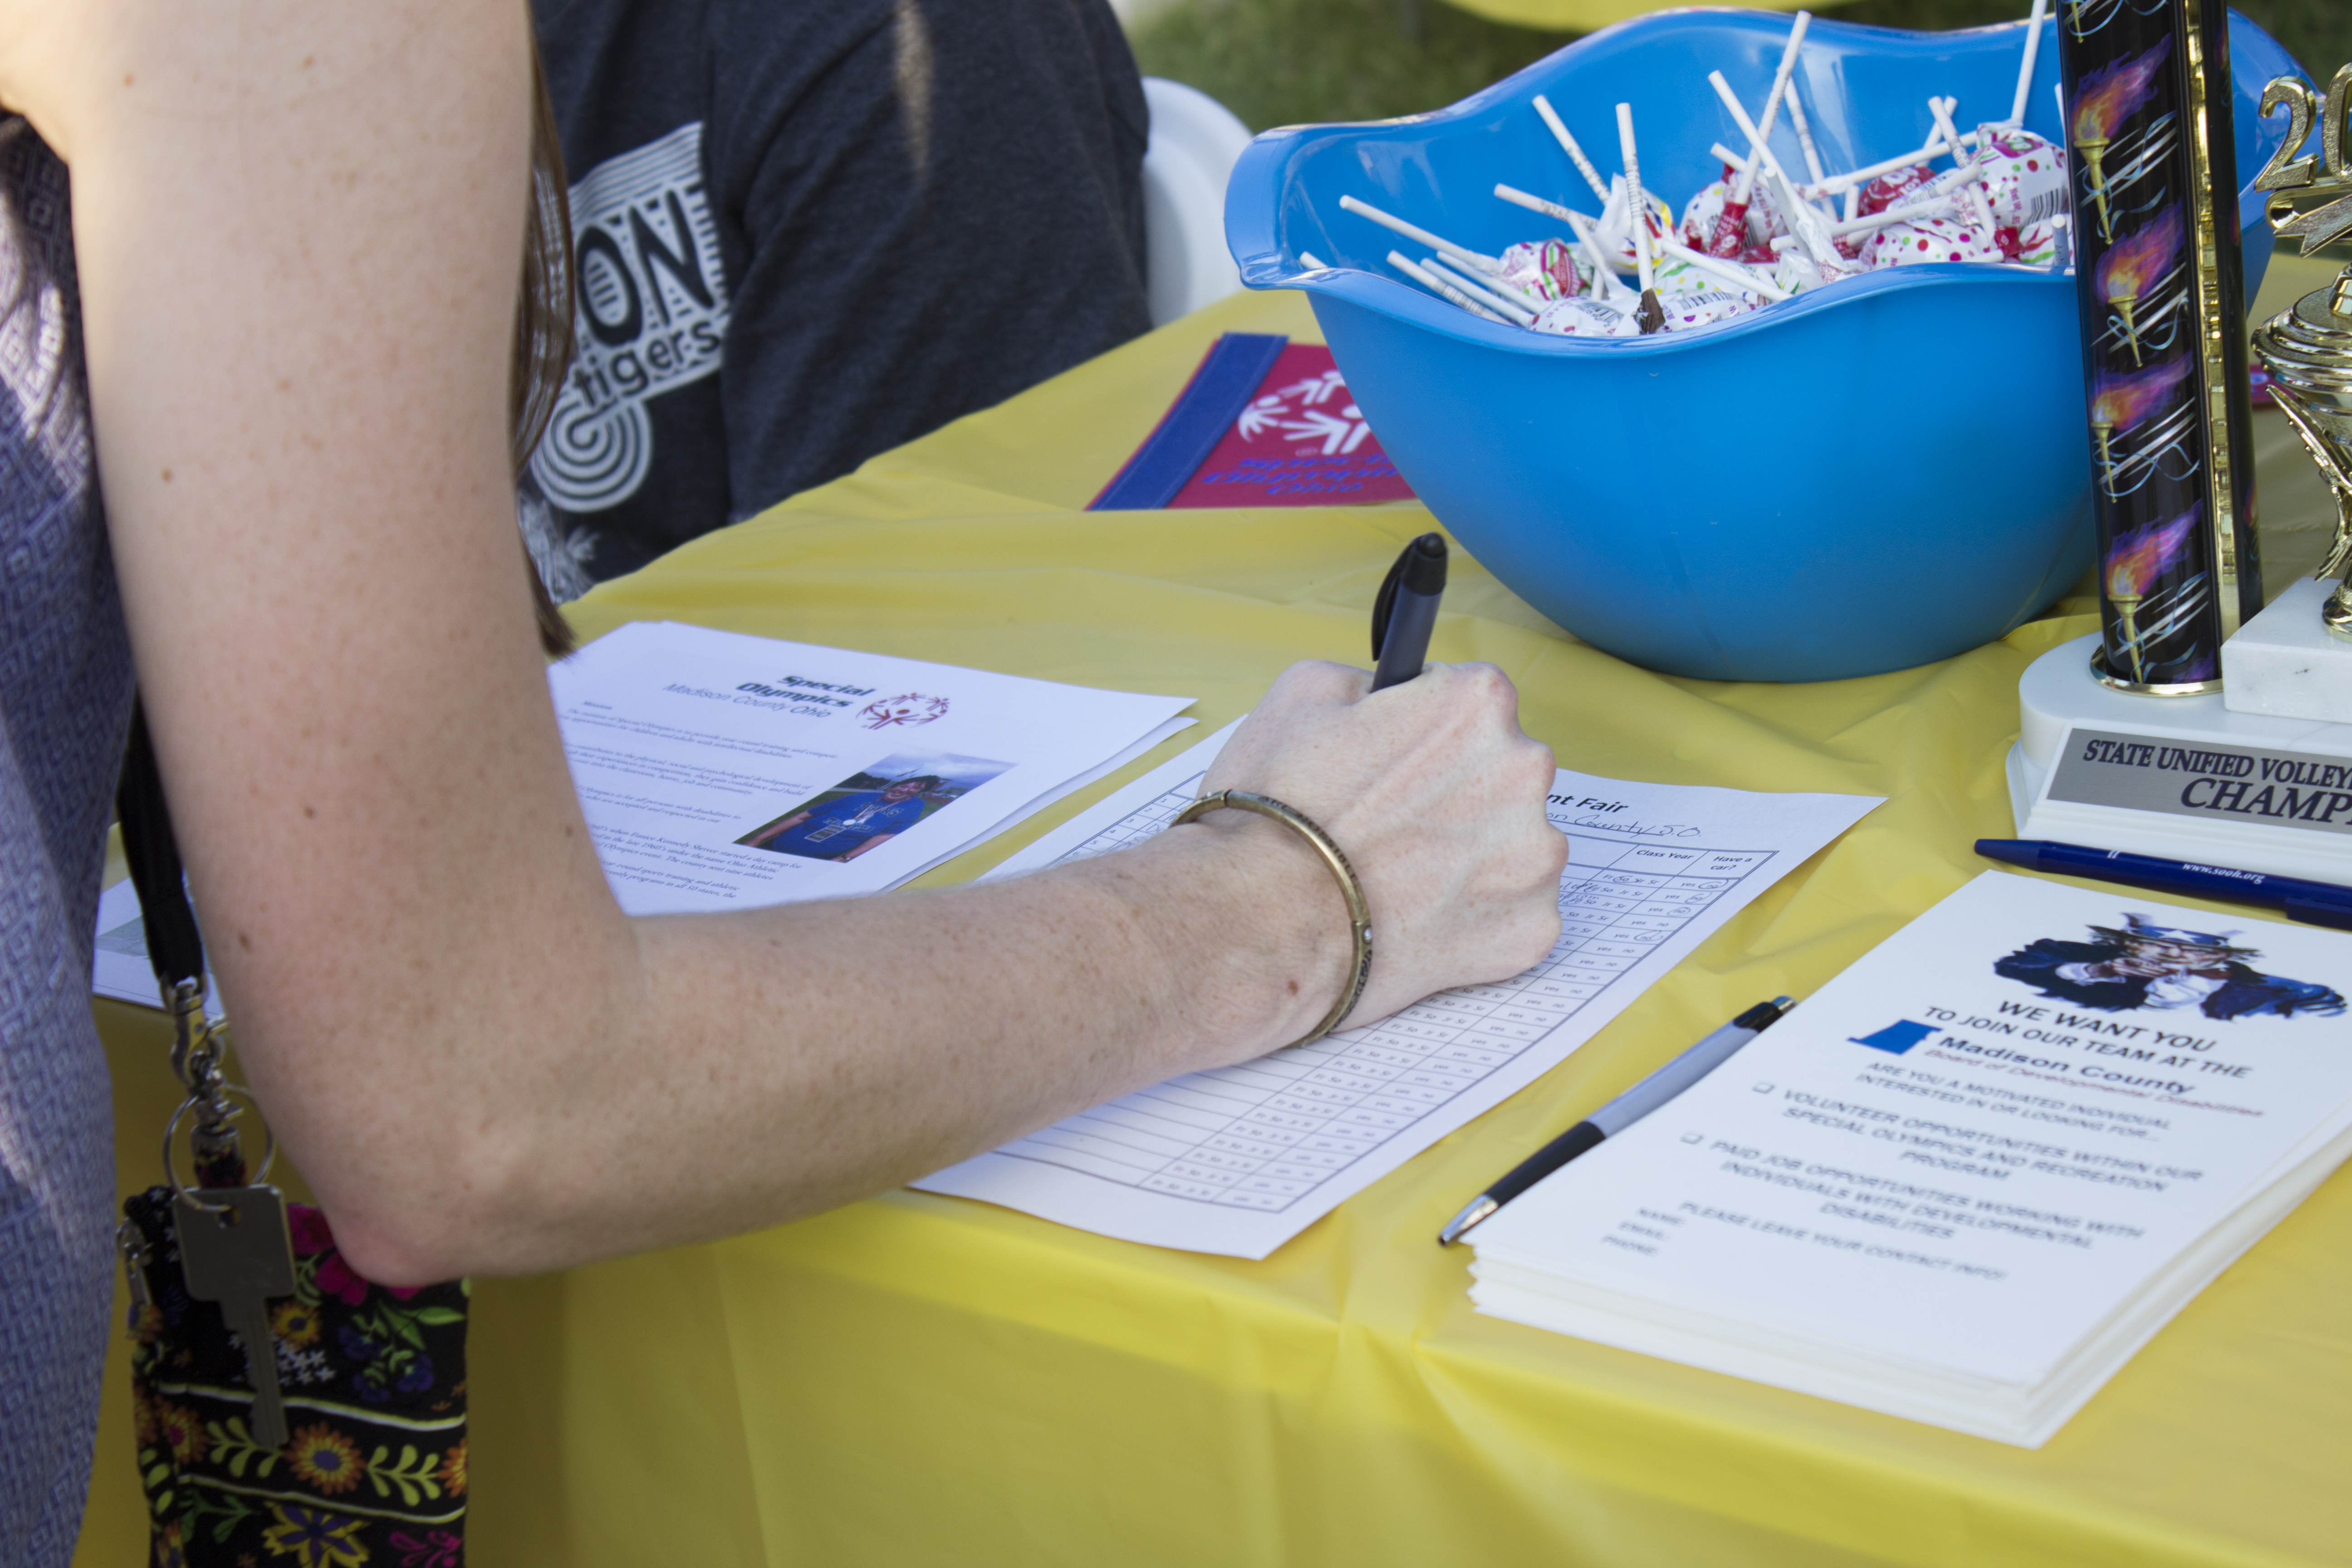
{"type": "Point", "coordinates": [2308, 349]}
{"type": "Point", "coordinates": [2204, 721]}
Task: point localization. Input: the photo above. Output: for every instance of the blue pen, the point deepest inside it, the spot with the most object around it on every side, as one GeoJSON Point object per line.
{"type": "Point", "coordinates": [2314, 903]}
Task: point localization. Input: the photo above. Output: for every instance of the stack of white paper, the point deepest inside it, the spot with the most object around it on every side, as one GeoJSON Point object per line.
{"type": "Point", "coordinates": [718, 771]}
{"type": "Point", "coordinates": [1970, 1177]}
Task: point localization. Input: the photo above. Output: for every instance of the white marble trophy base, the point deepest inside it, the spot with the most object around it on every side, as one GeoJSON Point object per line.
{"type": "Point", "coordinates": [2058, 690]}
{"type": "Point", "coordinates": [2286, 664]}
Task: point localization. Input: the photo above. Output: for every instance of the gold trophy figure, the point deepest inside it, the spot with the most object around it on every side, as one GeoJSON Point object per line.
{"type": "Point", "coordinates": [2308, 349]}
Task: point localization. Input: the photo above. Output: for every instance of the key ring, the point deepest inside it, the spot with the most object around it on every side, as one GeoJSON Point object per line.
{"type": "Point", "coordinates": [269, 1147]}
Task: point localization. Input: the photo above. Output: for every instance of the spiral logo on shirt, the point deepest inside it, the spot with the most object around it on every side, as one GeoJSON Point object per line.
{"type": "Point", "coordinates": [591, 459]}
{"type": "Point", "coordinates": [652, 315]}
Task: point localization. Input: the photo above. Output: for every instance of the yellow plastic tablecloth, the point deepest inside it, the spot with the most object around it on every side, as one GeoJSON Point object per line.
{"type": "Point", "coordinates": [923, 1380]}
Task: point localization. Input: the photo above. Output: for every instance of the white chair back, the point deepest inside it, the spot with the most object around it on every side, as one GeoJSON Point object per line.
{"type": "Point", "coordinates": [1194, 142]}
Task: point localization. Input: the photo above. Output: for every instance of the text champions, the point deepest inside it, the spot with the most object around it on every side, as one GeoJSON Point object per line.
{"type": "Point", "coordinates": [2279, 788]}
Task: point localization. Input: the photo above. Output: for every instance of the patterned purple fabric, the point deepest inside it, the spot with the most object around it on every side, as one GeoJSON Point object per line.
{"type": "Point", "coordinates": [64, 696]}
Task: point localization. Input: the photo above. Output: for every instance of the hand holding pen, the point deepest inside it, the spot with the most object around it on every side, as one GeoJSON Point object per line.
{"type": "Point", "coordinates": [1431, 790]}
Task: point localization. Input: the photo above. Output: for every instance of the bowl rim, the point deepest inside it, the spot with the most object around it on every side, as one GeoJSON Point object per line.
{"type": "Point", "coordinates": [1259, 179]}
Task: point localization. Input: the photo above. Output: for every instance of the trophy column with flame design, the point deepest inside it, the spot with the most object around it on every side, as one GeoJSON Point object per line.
{"type": "Point", "coordinates": [2308, 349]}
{"type": "Point", "coordinates": [2161, 284]}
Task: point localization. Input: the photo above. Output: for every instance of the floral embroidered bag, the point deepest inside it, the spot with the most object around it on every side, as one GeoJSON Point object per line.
{"type": "Point", "coordinates": [372, 1381]}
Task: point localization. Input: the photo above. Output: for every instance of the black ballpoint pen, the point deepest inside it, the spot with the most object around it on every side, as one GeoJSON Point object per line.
{"type": "Point", "coordinates": [1406, 611]}
{"type": "Point", "coordinates": [1619, 1114]}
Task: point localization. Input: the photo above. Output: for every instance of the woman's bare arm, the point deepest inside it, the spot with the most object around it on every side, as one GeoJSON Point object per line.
{"type": "Point", "coordinates": [298, 227]}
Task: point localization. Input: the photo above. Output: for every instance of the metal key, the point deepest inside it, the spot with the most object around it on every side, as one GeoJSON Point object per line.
{"type": "Point", "coordinates": [240, 1257]}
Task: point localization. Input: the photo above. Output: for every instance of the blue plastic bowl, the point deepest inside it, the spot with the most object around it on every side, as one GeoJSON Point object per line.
{"type": "Point", "coordinates": [1885, 473]}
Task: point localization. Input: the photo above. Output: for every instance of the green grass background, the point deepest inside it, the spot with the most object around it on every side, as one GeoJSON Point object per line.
{"type": "Point", "coordinates": [1286, 62]}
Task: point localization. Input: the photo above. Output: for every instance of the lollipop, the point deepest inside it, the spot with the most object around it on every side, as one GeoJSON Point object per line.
{"type": "Point", "coordinates": [1811, 227]}
{"type": "Point", "coordinates": [1546, 269]}
{"type": "Point", "coordinates": [2025, 177]}
{"type": "Point", "coordinates": [1922, 239]}
{"type": "Point", "coordinates": [1696, 312]}
{"type": "Point", "coordinates": [1732, 275]}
{"type": "Point", "coordinates": [1650, 315]}
{"type": "Point", "coordinates": [1614, 233]}
{"type": "Point", "coordinates": [1586, 319]}
{"type": "Point", "coordinates": [1728, 236]}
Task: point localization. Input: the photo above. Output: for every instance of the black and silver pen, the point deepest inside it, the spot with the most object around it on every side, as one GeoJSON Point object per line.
{"type": "Point", "coordinates": [1406, 611]}
{"type": "Point", "coordinates": [1619, 1114]}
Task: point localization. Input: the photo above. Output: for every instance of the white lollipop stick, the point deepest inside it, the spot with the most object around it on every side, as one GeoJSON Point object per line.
{"type": "Point", "coordinates": [1439, 286]}
{"type": "Point", "coordinates": [1485, 293]}
{"type": "Point", "coordinates": [1568, 145]}
{"type": "Point", "coordinates": [1306, 259]}
{"type": "Point", "coordinates": [1511, 293]}
{"type": "Point", "coordinates": [1637, 206]}
{"type": "Point", "coordinates": [1724, 154]}
{"type": "Point", "coordinates": [1730, 274]}
{"type": "Point", "coordinates": [1780, 78]}
{"type": "Point", "coordinates": [1538, 205]}
{"type": "Point", "coordinates": [1811, 226]}
{"type": "Point", "coordinates": [1853, 202]}
{"type": "Point", "coordinates": [2025, 70]}
{"type": "Point", "coordinates": [1935, 147]}
{"type": "Point", "coordinates": [1939, 109]}
{"type": "Point", "coordinates": [1415, 231]}
{"type": "Point", "coordinates": [1935, 205]}
{"type": "Point", "coordinates": [1983, 208]}
{"type": "Point", "coordinates": [1804, 135]}
{"type": "Point", "coordinates": [1747, 186]}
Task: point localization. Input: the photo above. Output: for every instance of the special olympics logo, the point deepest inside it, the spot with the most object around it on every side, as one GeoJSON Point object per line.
{"type": "Point", "coordinates": [914, 707]}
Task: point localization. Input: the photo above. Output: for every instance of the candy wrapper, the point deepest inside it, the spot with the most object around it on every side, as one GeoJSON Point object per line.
{"type": "Point", "coordinates": [2025, 177]}
{"type": "Point", "coordinates": [1615, 232]}
{"type": "Point", "coordinates": [1585, 319]}
{"type": "Point", "coordinates": [1933, 240]}
{"type": "Point", "coordinates": [1702, 215]}
{"type": "Point", "coordinates": [1546, 269]}
{"type": "Point", "coordinates": [1893, 190]}
{"type": "Point", "coordinates": [1690, 312]}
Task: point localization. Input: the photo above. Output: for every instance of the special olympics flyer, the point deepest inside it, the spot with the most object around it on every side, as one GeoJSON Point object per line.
{"type": "Point", "coordinates": [1974, 1147]}
{"type": "Point", "coordinates": [719, 771]}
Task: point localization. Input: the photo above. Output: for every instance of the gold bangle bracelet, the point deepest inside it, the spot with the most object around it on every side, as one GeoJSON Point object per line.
{"type": "Point", "coordinates": [1360, 913]}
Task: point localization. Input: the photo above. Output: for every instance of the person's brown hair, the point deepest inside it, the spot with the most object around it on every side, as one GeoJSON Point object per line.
{"type": "Point", "coordinates": [543, 325]}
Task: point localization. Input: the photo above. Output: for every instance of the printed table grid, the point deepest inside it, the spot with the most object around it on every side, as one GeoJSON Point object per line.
{"type": "Point", "coordinates": [1264, 1134]}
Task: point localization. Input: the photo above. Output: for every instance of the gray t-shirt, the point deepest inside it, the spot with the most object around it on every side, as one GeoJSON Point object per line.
{"type": "Point", "coordinates": [809, 231]}
{"type": "Point", "coordinates": [65, 700]}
